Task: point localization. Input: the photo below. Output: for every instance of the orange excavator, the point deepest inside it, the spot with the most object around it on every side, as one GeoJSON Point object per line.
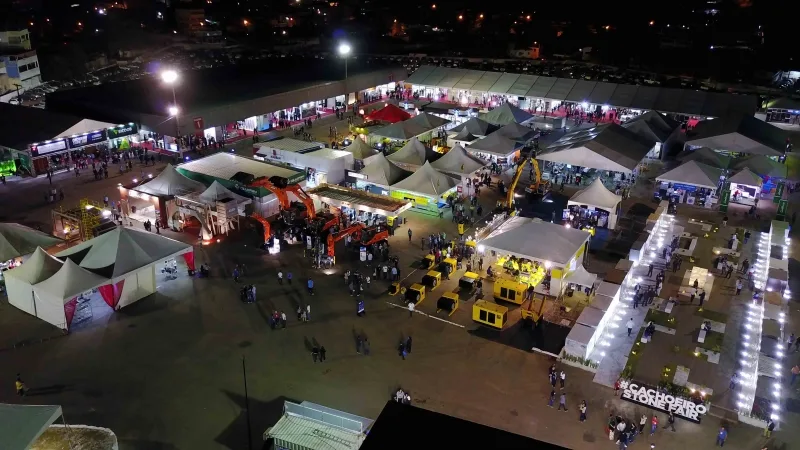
{"type": "Point", "coordinates": [280, 187]}
{"type": "Point", "coordinates": [334, 238]}
{"type": "Point", "coordinates": [373, 235]}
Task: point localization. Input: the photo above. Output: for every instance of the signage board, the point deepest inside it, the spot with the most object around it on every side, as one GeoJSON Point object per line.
{"type": "Point", "coordinates": [644, 395]}
{"type": "Point", "coordinates": [783, 206]}
{"type": "Point", "coordinates": [48, 147]}
{"type": "Point", "coordinates": [122, 130]}
{"type": "Point", "coordinates": [199, 124]}
{"type": "Point", "coordinates": [724, 200]}
{"type": "Point", "coordinates": [778, 192]}
{"type": "Point", "coordinates": [87, 139]}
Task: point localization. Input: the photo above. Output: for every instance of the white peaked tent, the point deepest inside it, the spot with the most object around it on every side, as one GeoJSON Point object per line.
{"type": "Point", "coordinates": [505, 114]}
{"type": "Point", "coordinates": [85, 126]}
{"type": "Point", "coordinates": [383, 172]}
{"type": "Point", "coordinates": [475, 127]}
{"type": "Point", "coordinates": [218, 192]}
{"type": "Point", "coordinates": [517, 132]}
{"type": "Point", "coordinates": [412, 154]}
{"type": "Point", "coordinates": [746, 177]}
{"type": "Point", "coordinates": [427, 181]}
{"type": "Point", "coordinates": [693, 173]}
{"type": "Point", "coordinates": [18, 240]}
{"type": "Point", "coordinates": [458, 161]}
{"type": "Point", "coordinates": [706, 156]}
{"type": "Point", "coordinates": [596, 195]}
{"type": "Point", "coordinates": [20, 281]}
{"type": "Point", "coordinates": [55, 297]}
{"type": "Point", "coordinates": [123, 250]}
{"type": "Point", "coordinates": [361, 150]}
{"type": "Point", "coordinates": [496, 145]}
{"type": "Point", "coordinates": [761, 165]}
{"type": "Point", "coordinates": [170, 182]}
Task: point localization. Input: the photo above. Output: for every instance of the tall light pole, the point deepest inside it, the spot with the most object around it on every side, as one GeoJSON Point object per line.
{"type": "Point", "coordinates": [344, 50]}
{"type": "Point", "coordinates": [170, 77]}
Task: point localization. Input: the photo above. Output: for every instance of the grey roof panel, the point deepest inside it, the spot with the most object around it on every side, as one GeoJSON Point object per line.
{"type": "Point", "coordinates": [692, 102]}
{"type": "Point", "coordinates": [623, 95]}
{"type": "Point", "coordinates": [580, 92]}
{"type": "Point", "coordinates": [668, 100]}
{"type": "Point", "coordinates": [452, 77]}
{"type": "Point", "coordinates": [561, 89]}
{"type": "Point", "coordinates": [522, 85]}
{"type": "Point", "coordinates": [504, 83]}
{"type": "Point", "coordinates": [486, 81]}
{"type": "Point", "coordinates": [743, 103]}
{"type": "Point", "coordinates": [601, 94]}
{"type": "Point", "coordinates": [541, 87]}
{"type": "Point", "coordinates": [645, 98]}
{"type": "Point", "coordinates": [717, 105]}
{"type": "Point", "coordinates": [469, 79]}
{"type": "Point", "coordinates": [420, 74]}
{"type": "Point", "coordinates": [435, 77]}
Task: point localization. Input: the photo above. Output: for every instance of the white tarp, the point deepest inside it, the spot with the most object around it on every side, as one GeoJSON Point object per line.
{"type": "Point", "coordinates": [581, 276]}
{"type": "Point", "coordinates": [218, 192]}
{"type": "Point", "coordinates": [18, 240]}
{"type": "Point", "coordinates": [580, 341]}
{"type": "Point", "coordinates": [123, 250]}
{"type": "Point", "coordinates": [383, 172]}
{"type": "Point", "coordinates": [170, 182]}
{"type": "Point", "coordinates": [746, 177]}
{"type": "Point", "coordinates": [411, 154]}
{"type": "Point", "coordinates": [52, 294]}
{"type": "Point", "coordinates": [596, 195]}
{"type": "Point", "coordinates": [427, 181]}
{"type": "Point", "coordinates": [85, 126]}
{"type": "Point", "coordinates": [693, 173]}
{"type": "Point", "coordinates": [20, 280]}
{"type": "Point", "coordinates": [536, 240]}
{"type": "Point", "coordinates": [21, 425]}
{"type": "Point", "coordinates": [458, 161]}
{"type": "Point", "coordinates": [706, 156]}
{"type": "Point", "coordinates": [326, 160]}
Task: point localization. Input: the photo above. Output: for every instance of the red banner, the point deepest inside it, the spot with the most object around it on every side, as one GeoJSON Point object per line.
{"type": "Point", "coordinates": [111, 293]}
{"type": "Point", "coordinates": [69, 310]}
{"type": "Point", "coordinates": [189, 258]}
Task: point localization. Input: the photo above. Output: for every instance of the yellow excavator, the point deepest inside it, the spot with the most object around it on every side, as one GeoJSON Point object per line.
{"type": "Point", "coordinates": [534, 187]}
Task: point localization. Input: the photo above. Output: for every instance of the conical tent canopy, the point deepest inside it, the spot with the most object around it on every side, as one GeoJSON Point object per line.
{"type": "Point", "coordinates": [412, 153]}
{"type": "Point", "coordinates": [517, 132]}
{"type": "Point", "coordinates": [122, 251]}
{"type": "Point", "coordinates": [476, 127]}
{"type": "Point", "coordinates": [360, 149]}
{"type": "Point", "coordinates": [496, 144]}
{"type": "Point", "coordinates": [746, 177]}
{"type": "Point", "coordinates": [39, 267]}
{"type": "Point", "coordinates": [384, 172]}
{"type": "Point", "coordinates": [464, 135]}
{"type": "Point", "coordinates": [597, 195]}
{"type": "Point", "coordinates": [217, 192]}
{"type": "Point", "coordinates": [427, 180]}
{"type": "Point", "coordinates": [18, 240]}
{"type": "Point", "coordinates": [457, 160]}
{"type": "Point", "coordinates": [505, 114]}
{"type": "Point", "coordinates": [706, 156]}
{"type": "Point", "coordinates": [389, 113]}
{"type": "Point", "coordinates": [693, 173]}
{"type": "Point", "coordinates": [68, 282]}
{"type": "Point", "coordinates": [761, 165]}
{"type": "Point", "coordinates": [170, 182]}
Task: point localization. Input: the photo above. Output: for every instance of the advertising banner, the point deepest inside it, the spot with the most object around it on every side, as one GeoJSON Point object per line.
{"type": "Point", "coordinates": [783, 207]}
{"type": "Point", "coordinates": [87, 139]}
{"type": "Point", "coordinates": [778, 192]}
{"type": "Point", "coordinates": [724, 200]}
{"type": "Point", "coordinates": [122, 130]}
{"type": "Point", "coordinates": [650, 397]}
{"type": "Point", "coordinates": [48, 147]}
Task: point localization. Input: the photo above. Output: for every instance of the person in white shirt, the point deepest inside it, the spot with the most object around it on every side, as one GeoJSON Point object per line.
{"type": "Point", "coordinates": [630, 326]}
{"type": "Point", "coordinates": [411, 307]}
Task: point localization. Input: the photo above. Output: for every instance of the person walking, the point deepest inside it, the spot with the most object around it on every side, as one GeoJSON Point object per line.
{"type": "Point", "coordinates": [280, 276]}
{"type": "Point", "coordinates": [563, 378]}
{"type": "Point", "coordinates": [289, 277]}
{"type": "Point", "coordinates": [411, 307]}
{"type": "Point", "coordinates": [20, 385]}
{"type": "Point", "coordinates": [721, 437]}
{"type": "Point", "coordinates": [409, 235]}
{"type": "Point", "coordinates": [283, 319]}
{"type": "Point", "coordinates": [552, 398]}
{"type": "Point", "coordinates": [670, 421]}
{"type": "Point", "coordinates": [650, 270]}
{"type": "Point", "coordinates": [739, 286]}
{"type": "Point", "coordinates": [653, 425]}
{"type": "Point", "coordinates": [769, 428]}
{"type": "Point", "coordinates": [402, 350]}
{"type": "Point", "coordinates": [310, 285]}
{"type": "Point", "coordinates": [359, 344]}
{"type": "Point", "coordinates": [642, 423]}
{"type": "Point", "coordinates": [629, 325]}
{"type": "Point", "coordinates": [308, 312]}
{"type": "Point", "coordinates": [315, 353]}
{"type": "Point", "coordinates": [236, 274]}
{"type": "Point", "coordinates": [322, 352]}
{"type": "Point", "coordinates": [408, 344]}
{"type": "Point", "coordinates": [789, 342]}
{"type": "Point", "coordinates": [562, 402]}
{"type": "Point", "coordinates": [795, 373]}
{"type": "Point", "coordinates": [582, 409]}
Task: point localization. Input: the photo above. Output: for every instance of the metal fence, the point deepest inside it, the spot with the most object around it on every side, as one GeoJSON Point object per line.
{"type": "Point", "coordinates": [323, 416]}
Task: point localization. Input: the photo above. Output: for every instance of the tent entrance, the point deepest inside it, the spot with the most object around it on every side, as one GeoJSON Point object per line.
{"type": "Point", "coordinates": [90, 309]}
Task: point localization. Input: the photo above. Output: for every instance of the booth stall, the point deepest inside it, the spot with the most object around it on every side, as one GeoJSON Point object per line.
{"type": "Point", "coordinates": [768, 168]}
{"type": "Point", "coordinates": [658, 128]}
{"type": "Point", "coordinates": [692, 183]}
{"type": "Point", "coordinates": [322, 166]}
{"type": "Point", "coordinates": [580, 341]}
{"type": "Point", "coordinates": [362, 153]}
{"type": "Point", "coordinates": [745, 187]}
{"type": "Point", "coordinates": [389, 113]}
{"type": "Point", "coordinates": [517, 132]}
{"type": "Point", "coordinates": [558, 250]}
{"type": "Point", "coordinates": [217, 209]}
{"type": "Point", "coordinates": [458, 162]}
{"type": "Point", "coordinates": [154, 200]}
{"type": "Point", "coordinates": [360, 205]}
{"type": "Point", "coordinates": [594, 205]}
{"type": "Point", "coordinates": [421, 126]}
{"type": "Point", "coordinates": [506, 114]}
{"type": "Point", "coordinates": [462, 138]}
{"type": "Point", "coordinates": [496, 148]}
{"type": "Point", "coordinates": [379, 175]}
{"type": "Point", "coordinates": [411, 156]}
{"type": "Point", "coordinates": [426, 188]}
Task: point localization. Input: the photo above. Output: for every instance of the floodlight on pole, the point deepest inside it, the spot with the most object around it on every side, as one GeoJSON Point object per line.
{"type": "Point", "coordinates": [344, 50]}
{"type": "Point", "coordinates": [173, 111]}
{"type": "Point", "coordinates": [169, 76]}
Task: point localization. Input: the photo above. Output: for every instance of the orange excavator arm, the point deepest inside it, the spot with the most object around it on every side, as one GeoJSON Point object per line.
{"type": "Point", "coordinates": [265, 223]}
{"type": "Point", "coordinates": [283, 199]}
{"type": "Point", "coordinates": [303, 197]}
{"type": "Point", "coordinates": [334, 238]}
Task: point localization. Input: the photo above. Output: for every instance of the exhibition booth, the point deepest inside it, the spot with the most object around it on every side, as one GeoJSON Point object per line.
{"type": "Point", "coordinates": [379, 175]}
{"type": "Point", "coordinates": [506, 114]}
{"type": "Point", "coordinates": [745, 187]}
{"type": "Point", "coordinates": [457, 162]}
{"type": "Point", "coordinates": [496, 148]}
{"type": "Point", "coordinates": [322, 165]}
{"type": "Point", "coordinates": [362, 153]}
{"type": "Point", "coordinates": [421, 126]}
{"type": "Point", "coordinates": [389, 113]}
{"type": "Point", "coordinates": [595, 205]}
{"type": "Point", "coordinates": [411, 156]}
{"type": "Point", "coordinates": [476, 127]}
{"type": "Point", "coordinates": [692, 183]}
{"type": "Point", "coordinates": [426, 188]}
{"type": "Point", "coordinates": [154, 200]}
{"type": "Point", "coordinates": [217, 209]}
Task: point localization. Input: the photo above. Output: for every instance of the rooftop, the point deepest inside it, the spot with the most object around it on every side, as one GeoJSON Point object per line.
{"type": "Point", "coordinates": [226, 165]}
{"type": "Point", "coordinates": [23, 125]}
{"type": "Point", "coordinates": [378, 203]}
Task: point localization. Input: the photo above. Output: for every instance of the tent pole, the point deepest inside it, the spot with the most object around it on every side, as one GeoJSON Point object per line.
{"type": "Point", "coordinates": [35, 312]}
{"type": "Point", "coordinates": [247, 405]}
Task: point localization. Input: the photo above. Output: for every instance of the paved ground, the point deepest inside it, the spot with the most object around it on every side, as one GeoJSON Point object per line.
{"type": "Point", "coordinates": [166, 373]}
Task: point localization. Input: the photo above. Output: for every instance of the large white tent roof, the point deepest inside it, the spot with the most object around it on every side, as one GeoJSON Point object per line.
{"type": "Point", "coordinates": [746, 177]}
{"type": "Point", "coordinates": [535, 239]}
{"type": "Point", "coordinates": [736, 132]}
{"type": "Point", "coordinates": [581, 276]}
{"type": "Point", "coordinates": [604, 147]}
{"type": "Point", "coordinates": [415, 126]}
{"type": "Point", "coordinates": [412, 153]}
{"type": "Point", "coordinates": [217, 192]}
{"type": "Point", "coordinates": [505, 114]}
{"type": "Point", "coordinates": [85, 126]}
{"type": "Point", "coordinates": [21, 425]}
{"type": "Point", "coordinates": [458, 161]}
{"type": "Point", "coordinates": [517, 132]}
{"type": "Point", "coordinates": [18, 240]}
{"type": "Point", "coordinates": [123, 250]}
{"type": "Point", "coordinates": [69, 281]}
{"type": "Point", "coordinates": [384, 172]}
{"type": "Point", "coordinates": [170, 182]}
{"type": "Point", "coordinates": [39, 267]}
{"type": "Point", "coordinates": [693, 173]}
{"type": "Point", "coordinates": [428, 181]}
{"type": "Point", "coordinates": [496, 144]}
{"type": "Point", "coordinates": [360, 149]}
{"type": "Point", "coordinates": [597, 195]}
{"type": "Point", "coordinates": [652, 125]}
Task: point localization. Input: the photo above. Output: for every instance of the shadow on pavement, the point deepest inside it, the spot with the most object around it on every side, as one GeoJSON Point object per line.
{"type": "Point", "coordinates": [262, 416]}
